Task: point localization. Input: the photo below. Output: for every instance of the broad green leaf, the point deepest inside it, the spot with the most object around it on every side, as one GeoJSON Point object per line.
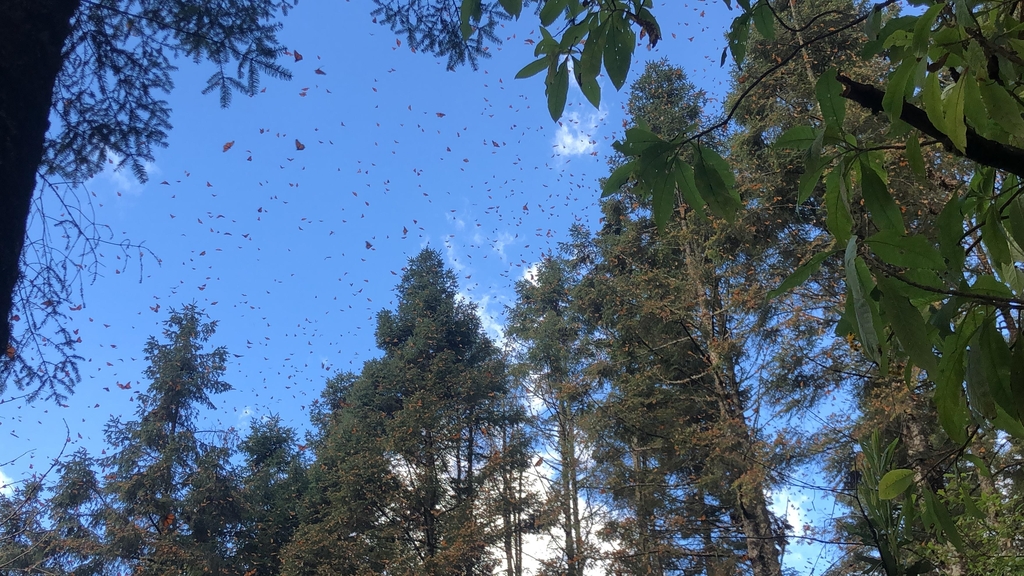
{"type": "Point", "coordinates": [837, 211]}
{"type": "Point", "coordinates": [797, 138]}
{"type": "Point", "coordinates": [830, 98]}
{"type": "Point", "coordinates": [550, 11]}
{"type": "Point", "coordinates": [980, 394]}
{"type": "Point", "coordinates": [513, 7]}
{"type": "Point", "coordinates": [905, 251]}
{"type": "Point", "coordinates": [688, 188]}
{"type": "Point", "coordinates": [1015, 219]}
{"type": "Point", "coordinates": [865, 316]}
{"type": "Point", "coordinates": [808, 180]}
{"type": "Point", "coordinates": [557, 90]}
{"type": "Point", "coordinates": [931, 98]}
{"type": "Point", "coordinates": [764, 20]}
{"type": "Point", "coordinates": [953, 113]}
{"type": "Point", "coordinates": [713, 177]}
{"type": "Point", "coordinates": [950, 227]}
{"type": "Point", "coordinates": [994, 237]}
{"type": "Point", "coordinates": [535, 67]}
{"type": "Point", "coordinates": [974, 107]}
{"type": "Point", "coordinates": [896, 91]}
{"type": "Point", "coordinates": [663, 192]}
{"type": "Point", "coordinates": [467, 10]}
{"type": "Point", "coordinates": [949, 392]}
{"type": "Point", "coordinates": [618, 179]}
{"type": "Point", "coordinates": [990, 349]}
{"type": "Point", "coordinates": [884, 211]}
{"type": "Point", "coordinates": [801, 274]}
{"type": "Point", "coordinates": [618, 51]}
{"type": "Point", "coordinates": [913, 332]}
{"type": "Point", "coordinates": [894, 483]}
{"type": "Point", "coordinates": [923, 28]}
{"type": "Point", "coordinates": [1016, 373]}
{"type": "Point", "coordinates": [737, 37]}
{"type": "Point", "coordinates": [914, 157]}
{"type": "Point", "coordinates": [872, 24]}
{"type": "Point", "coordinates": [1002, 108]}
{"type": "Point", "coordinates": [979, 464]}
{"type": "Point", "coordinates": [946, 522]}
{"type": "Point", "coordinates": [591, 89]}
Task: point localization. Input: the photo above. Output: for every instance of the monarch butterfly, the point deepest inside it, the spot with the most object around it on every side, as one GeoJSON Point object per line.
{"type": "Point", "coordinates": [299, 145]}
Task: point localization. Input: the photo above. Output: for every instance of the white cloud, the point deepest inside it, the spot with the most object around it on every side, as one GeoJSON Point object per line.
{"type": "Point", "coordinates": [6, 484]}
{"type": "Point", "coordinates": [490, 319]}
{"type": "Point", "coordinates": [530, 273]}
{"type": "Point", "coordinates": [577, 135]}
{"type": "Point", "coordinates": [122, 180]}
{"type": "Point", "coordinates": [245, 413]}
{"type": "Point", "coordinates": [789, 504]}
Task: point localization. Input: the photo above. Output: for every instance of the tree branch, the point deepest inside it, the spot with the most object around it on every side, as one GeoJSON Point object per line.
{"type": "Point", "coordinates": [979, 149]}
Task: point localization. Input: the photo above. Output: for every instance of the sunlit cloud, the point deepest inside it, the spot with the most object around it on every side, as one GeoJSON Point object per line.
{"type": "Point", "coordinates": [6, 485]}
{"type": "Point", "coordinates": [577, 133]}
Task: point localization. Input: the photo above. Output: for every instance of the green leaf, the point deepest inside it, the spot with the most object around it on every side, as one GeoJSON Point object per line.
{"type": "Point", "coordinates": [914, 157]}
{"type": "Point", "coordinates": [688, 188]}
{"type": "Point", "coordinates": [797, 138]}
{"type": "Point", "coordinates": [1002, 108]}
{"type": "Point", "coordinates": [950, 225]}
{"type": "Point", "coordinates": [872, 24]}
{"type": "Point", "coordinates": [808, 180]}
{"type": "Point", "coordinates": [866, 325]}
{"type": "Point", "coordinates": [994, 237]}
{"type": "Point", "coordinates": [974, 107]}
{"type": "Point", "coordinates": [953, 112]}
{"type": "Point", "coordinates": [663, 191]}
{"type": "Point", "coordinates": [989, 349]}
{"type": "Point", "coordinates": [801, 274]}
{"type": "Point", "coordinates": [905, 251]}
{"type": "Point", "coordinates": [894, 483]}
{"type": "Point", "coordinates": [592, 90]}
{"type": "Point", "coordinates": [764, 20]}
{"type": "Point", "coordinates": [618, 51]}
{"type": "Point", "coordinates": [914, 334]}
{"type": "Point", "coordinates": [713, 177]}
{"type": "Point", "coordinates": [737, 36]}
{"type": "Point", "coordinates": [535, 67]}
{"type": "Point", "coordinates": [884, 211]}
{"type": "Point", "coordinates": [979, 464]}
{"type": "Point", "coordinates": [550, 11]}
{"type": "Point", "coordinates": [830, 98]}
{"type": "Point", "coordinates": [946, 522]}
{"type": "Point", "coordinates": [896, 91]}
{"type": "Point", "coordinates": [618, 179]}
{"type": "Point", "coordinates": [837, 216]}
{"type": "Point", "coordinates": [1015, 219]}
{"type": "Point", "coordinates": [467, 10]}
{"type": "Point", "coordinates": [557, 90]}
{"type": "Point", "coordinates": [949, 393]}
{"type": "Point", "coordinates": [923, 28]}
{"type": "Point", "coordinates": [931, 97]}
{"type": "Point", "coordinates": [512, 7]}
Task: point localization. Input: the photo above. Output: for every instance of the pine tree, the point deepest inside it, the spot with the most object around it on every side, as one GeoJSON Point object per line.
{"type": "Point", "coordinates": [173, 504]}
{"type": "Point", "coordinates": [273, 481]}
{"type": "Point", "coordinates": [409, 453]}
{"type": "Point", "coordinates": [554, 355]}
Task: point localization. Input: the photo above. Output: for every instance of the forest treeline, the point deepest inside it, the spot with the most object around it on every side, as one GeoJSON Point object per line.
{"type": "Point", "coordinates": [654, 396]}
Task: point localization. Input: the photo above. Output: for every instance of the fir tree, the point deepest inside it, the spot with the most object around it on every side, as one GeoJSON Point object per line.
{"type": "Point", "coordinates": [172, 500]}
{"type": "Point", "coordinates": [399, 478]}
{"type": "Point", "coordinates": [554, 354]}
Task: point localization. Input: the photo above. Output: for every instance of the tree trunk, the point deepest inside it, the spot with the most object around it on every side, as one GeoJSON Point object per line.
{"type": "Point", "coordinates": [32, 36]}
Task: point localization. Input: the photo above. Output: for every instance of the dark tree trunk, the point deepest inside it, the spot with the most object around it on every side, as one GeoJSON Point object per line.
{"type": "Point", "coordinates": [32, 36]}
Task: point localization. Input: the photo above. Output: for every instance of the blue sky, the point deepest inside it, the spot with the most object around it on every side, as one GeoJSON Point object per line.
{"type": "Point", "coordinates": [293, 251]}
